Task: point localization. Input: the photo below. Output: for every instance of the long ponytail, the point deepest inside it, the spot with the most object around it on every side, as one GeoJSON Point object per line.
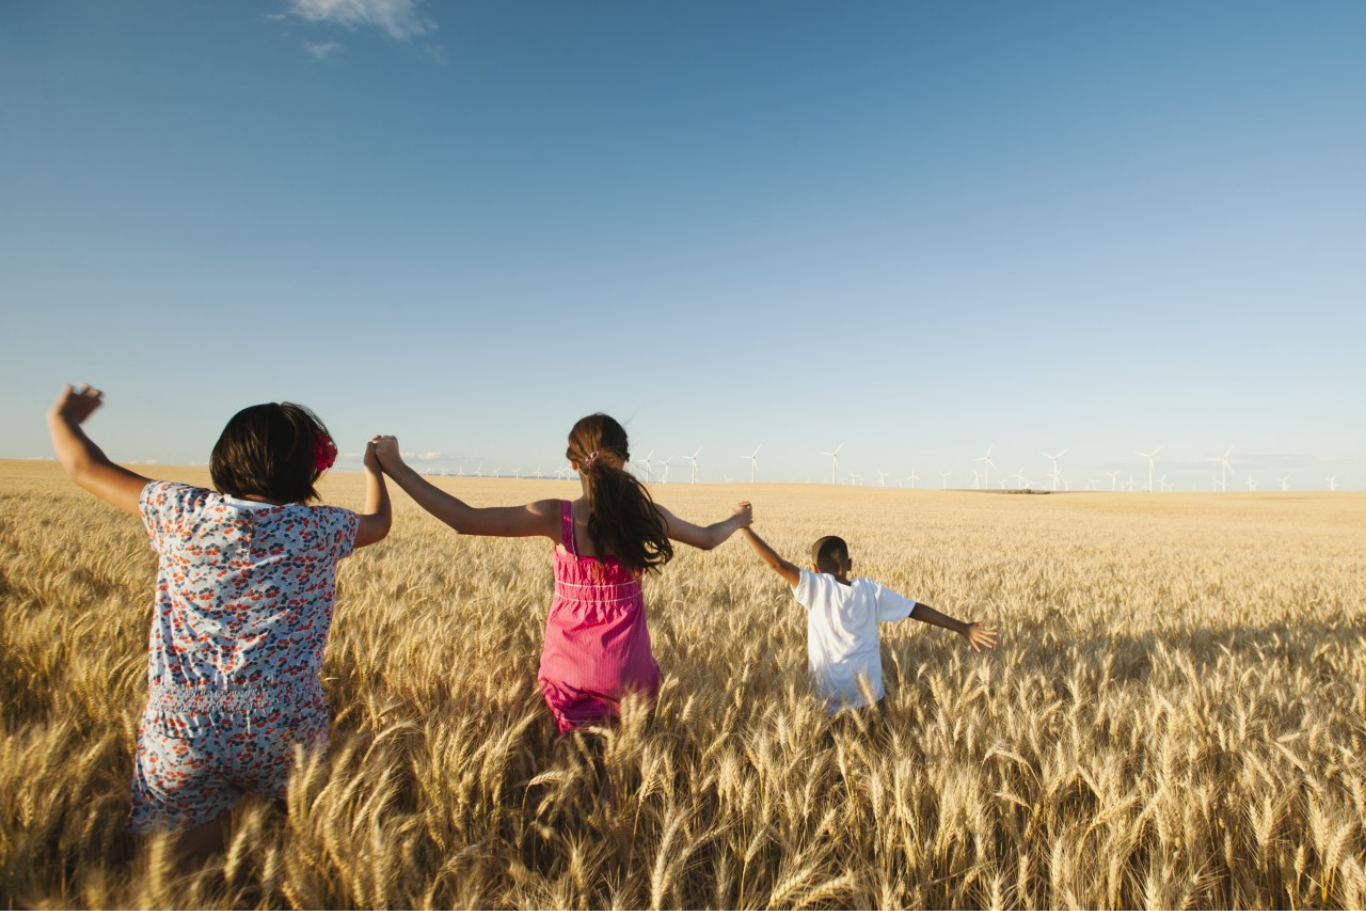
{"type": "Point", "coordinates": [622, 519]}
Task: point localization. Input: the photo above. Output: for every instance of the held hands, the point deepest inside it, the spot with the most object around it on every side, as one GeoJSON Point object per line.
{"type": "Point", "coordinates": [385, 448]}
{"type": "Point", "coordinates": [979, 636]}
{"type": "Point", "coordinates": [371, 460]}
{"type": "Point", "coordinates": [743, 514]}
{"type": "Point", "coordinates": [75, 405]}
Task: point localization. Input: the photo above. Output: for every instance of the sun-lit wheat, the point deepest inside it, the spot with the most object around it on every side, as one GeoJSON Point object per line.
{"type": "Point", "coordinates": [1173, 717]}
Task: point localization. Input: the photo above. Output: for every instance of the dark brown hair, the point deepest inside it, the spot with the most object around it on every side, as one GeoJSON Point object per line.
{"type": "Point", "coordinates": [830, 554]}
{"type": "Point", "coordinates": [622, 519]}
{"type": "Point", "coordinates": [268, 451]}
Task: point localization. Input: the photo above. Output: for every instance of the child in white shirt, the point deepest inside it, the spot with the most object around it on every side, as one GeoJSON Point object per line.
{"type": "Point", "coordinates": [842, 618]}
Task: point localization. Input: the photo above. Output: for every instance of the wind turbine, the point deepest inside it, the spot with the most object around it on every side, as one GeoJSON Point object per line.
{"type": "Point", "coordinates": [881, 478]}
{"type": "Point", "coordinates": [648, 464]}
{"type": "Point", "coordinates": [665, 478]}
{"type": "Point", "coordinates": [1223, 469]}
{"type": "Point", "coordinates": [1149, 457]}
{"type": "Point", "coordinates": [1019, 479]}
{"type": "Point", "coordinates": [693, 459]}
{"type": "Point", "coordinates": [986, 469]}
{"type": "Point", "coordinates": [1285, 481]}
{"type": "Point", "coordinates": [944, 479]}
{"type": "Point", "coordinates": [1055, 465]}
{"type": "Point", "coordinates": [1113, 474]}
{"type": "Point", "coordinates": [1332, 483]}
{"type": "Point", "coordinates": [538, 472]}
{"type": "Point", "coordinates": [853, 479]}
{"type": "Point", "coordinates": [912, 477]}
{"type": "Point", "coordinates": [753, 462]}
{"type": "Point", "coordinates": [834, 463]}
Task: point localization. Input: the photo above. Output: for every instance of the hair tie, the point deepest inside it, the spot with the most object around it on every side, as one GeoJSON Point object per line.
{"type": "Point", "coordinates": [588, 462]}
{"type": "Point", "coordinates": [324, 451]}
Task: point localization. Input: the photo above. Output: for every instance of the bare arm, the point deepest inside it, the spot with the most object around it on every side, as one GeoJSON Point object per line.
{"type": "Point", "coordinates": [539, 518]}
{"type": "Point", "coordinates": [86, 463]}
{"type": "Point", "coordinates": [978, 636]}
{"type": "Point", "coordinates": [377, 516]}
{"type": "Point", "coordinates": [790, 573]}
{"type": "Point", "coordinates": [707, 537]}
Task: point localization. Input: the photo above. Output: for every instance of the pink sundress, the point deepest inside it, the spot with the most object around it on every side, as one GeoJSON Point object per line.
{"type": "Point", "coordinates": [597, 646]}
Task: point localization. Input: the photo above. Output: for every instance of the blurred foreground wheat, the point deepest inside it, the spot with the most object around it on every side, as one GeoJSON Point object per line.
{"type": "Point", "coordinates": [1174, 717]}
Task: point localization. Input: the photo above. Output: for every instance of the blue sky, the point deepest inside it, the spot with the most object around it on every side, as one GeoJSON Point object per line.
{"type": "Point", "coordinates": [917, 229]}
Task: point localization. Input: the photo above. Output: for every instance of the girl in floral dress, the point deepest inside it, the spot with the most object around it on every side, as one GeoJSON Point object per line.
{"type": "Point", "coordinates": [597, 644]}
{"type": "Point", "coordinates": [245, 584]}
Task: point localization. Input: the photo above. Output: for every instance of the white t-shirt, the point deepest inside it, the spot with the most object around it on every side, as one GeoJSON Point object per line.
{"type": "Point", "coordinates": [841, 634]}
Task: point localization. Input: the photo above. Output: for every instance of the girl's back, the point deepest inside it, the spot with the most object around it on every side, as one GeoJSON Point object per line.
{"type": "Point", "coordinates": [597, 644]}
{"type": "Point", "coordinates": [243, 600]}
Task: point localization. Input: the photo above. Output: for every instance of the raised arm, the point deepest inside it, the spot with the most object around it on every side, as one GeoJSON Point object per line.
{"type": "Point", "coordinates": [377, 516]}
{"type": "Point", "coordinates": [790, 573]}
{"type": "Point", "coordinates": [86, 463]}
{"type": "Point", "coordinates": [978, 636]}
{"type": "Point", "coordinates": [539, 518]}
{"type": "Point", "coordinates": [707, 537]}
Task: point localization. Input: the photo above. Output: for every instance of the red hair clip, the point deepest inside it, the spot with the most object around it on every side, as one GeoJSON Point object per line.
{"type": "Point", "coordinates": [324, 451]}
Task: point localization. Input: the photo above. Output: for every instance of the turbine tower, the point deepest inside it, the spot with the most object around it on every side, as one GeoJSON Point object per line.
{"type": "Point", "coordinates": [1223, 469]}
{"type": "Point", "coordinates": [881, 478]}
{"type": "Point", "coordinates": [1055, 465]}
{"type": "Point", "coordinates": [986, 468]}
{"type": "Point", "coordinates": [834, 463]}
{"type": "Point", "coordinates": [753, 462]}
{"type": "Point", "coordinates": [664, 478]}
{"type": "Point", "coordinates": [913, 477]}
{"type": "Point", "coordinates": [944, 479]}
{"type": "Point", "coordinates": [1149, 457]}
{"type": "Point", "coordinates": [1113, 475]}
{"type": "Point", "coordinates": [648, 463]}
{"type": "Point", "coordinates": [693, 459]}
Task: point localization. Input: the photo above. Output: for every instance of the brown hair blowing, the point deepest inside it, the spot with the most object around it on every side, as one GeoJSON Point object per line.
{"type": "Point", "coordinates": [622, 519]}
{"type": "Point", "coordinates": [267, 451]}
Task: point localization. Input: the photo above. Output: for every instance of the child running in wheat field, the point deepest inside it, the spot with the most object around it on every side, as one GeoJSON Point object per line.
{"type": "Point", "coordinates": [597, 644]}
{"type": "Point", "coordinates": [842, 617]}
{"type": "Point", "coordinates": [244, 593]}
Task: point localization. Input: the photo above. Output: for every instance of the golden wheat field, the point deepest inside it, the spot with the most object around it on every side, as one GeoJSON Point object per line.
{"type": "Point", "coordinates": [1173, 716]}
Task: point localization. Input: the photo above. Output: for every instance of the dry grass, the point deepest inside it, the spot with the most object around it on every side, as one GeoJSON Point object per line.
{"type": "Point", "coordinates": [1174, 716]}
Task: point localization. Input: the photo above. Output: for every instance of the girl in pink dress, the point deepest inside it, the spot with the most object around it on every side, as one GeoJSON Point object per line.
{"type": "Point", "coordinates": [597, 645]}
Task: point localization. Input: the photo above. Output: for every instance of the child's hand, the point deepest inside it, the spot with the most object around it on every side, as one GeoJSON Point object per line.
{"type": "Point", "coordinates": [979, 636]}
{"type": "Point", "coordinates": [743, 513]}
{"type": "Point", "coordinates": [386, 451]}
{"type": "Point", "coordinates": [77, 404]}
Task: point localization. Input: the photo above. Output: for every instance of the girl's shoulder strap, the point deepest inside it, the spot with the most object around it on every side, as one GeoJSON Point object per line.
{"type": "Point", "coordinates": [567, 526]}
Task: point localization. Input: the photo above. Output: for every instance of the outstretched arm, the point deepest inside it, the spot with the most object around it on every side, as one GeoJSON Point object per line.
{"type": "Point", "coordinates": [377, 516]}
{"type": "Point", "coordinates": [978, 636]}
{"type": "Point", "coordinates": [86, 463]}
{"type": "Point", "coordinates": [790, 573]}
{"type": "Point", "coordinates": [539, 518]}
{"type": "Point", "coordinates": [710, 536]}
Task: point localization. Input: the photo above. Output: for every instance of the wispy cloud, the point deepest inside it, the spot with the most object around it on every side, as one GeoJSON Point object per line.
{"type": "Point", "coordinates": [323, 50]}
{"type": "Point", "coordinates": [399, 19]}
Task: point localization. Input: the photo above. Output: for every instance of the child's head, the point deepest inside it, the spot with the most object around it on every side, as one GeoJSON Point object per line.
{"type": "Point", "coordinates": [831, 555]}
{"type": "Point", "coordinates": [275, 451]}
{"type": "Point", "coordinates": [621, 516]}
